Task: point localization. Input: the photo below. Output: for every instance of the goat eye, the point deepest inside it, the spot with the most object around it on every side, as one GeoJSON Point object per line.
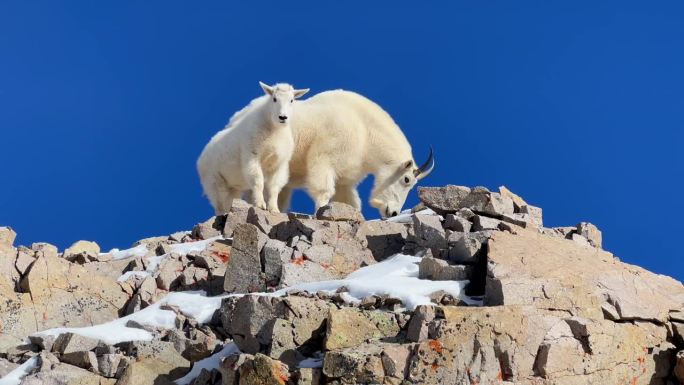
{"type": "Point", "coordinates": [274, 100]}
{"type": "Point", "coordinates": [292, 101]}
{"type": "Point", "coordinates": [406, 179]}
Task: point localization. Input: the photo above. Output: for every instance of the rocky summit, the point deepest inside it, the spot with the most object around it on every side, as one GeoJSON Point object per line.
{"type": "Point", "coordinates": [469, 287]}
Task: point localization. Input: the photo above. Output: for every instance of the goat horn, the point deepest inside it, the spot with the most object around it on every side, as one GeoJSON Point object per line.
{"type": "Point", "coordinates": [427, 167]}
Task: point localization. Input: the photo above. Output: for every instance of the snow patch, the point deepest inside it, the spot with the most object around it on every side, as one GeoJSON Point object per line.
{"type": "Point", "coordinates": [15, 376]}
{"type": "Point", "coordinates": [396, 277]}
{"type": "Point", "coordinates": [190, 304]}
{"type": "Point", "coordinates": [209, 363]}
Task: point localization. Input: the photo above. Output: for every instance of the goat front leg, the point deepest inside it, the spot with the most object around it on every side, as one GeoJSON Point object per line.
{"type": "Point", "coordinates": [255, 180]}
{"type": "Point", "coordinates": [321, 184]}
{"type": "Point", "coordinates": [275, 184]}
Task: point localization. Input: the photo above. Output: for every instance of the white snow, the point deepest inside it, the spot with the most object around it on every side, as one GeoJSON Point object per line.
{"type": "Point", "coordinates": [191, 304]}
{"type": "Point", "coordinates": [138, 251]}
{"type": "Point", "coordinates": [312, 362]}
{"type": "Point", "coordinates": [15, 376]}
{"type": "Point", "coordinates": [405, 216]}
{"type": "Point", "coordinates": [152, 263]}
{"type": "Point", "coordinates": [396, 276]}
{"type": "Point", "coordinates": [209, 363]}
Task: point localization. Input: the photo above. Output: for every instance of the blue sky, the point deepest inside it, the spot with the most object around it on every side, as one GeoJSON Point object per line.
{"type": "Point", "coordinates": [576, 106]}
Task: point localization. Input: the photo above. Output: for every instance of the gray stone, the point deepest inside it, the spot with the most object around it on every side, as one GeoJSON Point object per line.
{"type": "Point", "coordinates": [178, 236]}
{"type": "Point", "coordinates": [168, 272]}
{"type": "Point", "coordinates": [591, 233]}
{"type": "Point", "coordinates": [457, 223]}
{"type": "Point", "coordinates": [383, 238]}
{"type": "Point", "coordinates": [678, 332]}
{"type": "Point", "coordinates": [522, 220]}
{"type": "Point", "coordinates": [45, 342]}
{"type": "Point", "coordinates": [338, 211]}
{"type": "Point", "coordinates": [446, 199]}
{"type": "Point", "coordinates": [45, 249]}
{"type": "Point", "coordinates": [676, 315]}
{"type": "Point", "coordinates": [237, 215]}
{"type": "Point", "coordinates": [70, 343]}
{"type": "Point", "coordinates": [265, 220]}
{"type": "Point", "coordinates": [466, 247]}
{"type": "Point", "coordinates": [579, 239]}
{"type": "Point", "coordinates": [25, 257]}
{"type": "Point", "coordinates": [429, 232]}
{"type": "Point", "coordinates": [535, 214]}
{"type": "Point", "coordinates": [206, 229]}
{"type": "Point", "coordinates": [499, 205]}
{"type": "Point", "coordinates": [440, 270]}
{"type": "Point", "coordinates": [243, 273]}
{"type": "Point", "coordinates": [302, 271]}
{"type": "Point", "coordinates": [679, 367]}
{"type": "Point", "coordinates": [274, 255]}
{"type": "Point", "coordinates": [83, 359]}
{"type": "Point", "coordinates": [7, 236]}
{"type": "Point", "coordinates": [108, 364]}
{"type": "Point", "coordinates": [321, 254]}
{"type": "Point", "coordinates": [418, 326]}
{"type": "Point", "coordinates": [481, 222]}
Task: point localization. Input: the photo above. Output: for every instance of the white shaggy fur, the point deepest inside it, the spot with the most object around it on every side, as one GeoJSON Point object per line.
{"type": "Point", "coordinates": [253, 151]}
{"type": "Point", "coordinates": [340, 137]}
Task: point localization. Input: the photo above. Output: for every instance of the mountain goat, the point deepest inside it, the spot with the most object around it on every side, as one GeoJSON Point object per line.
{"type": "Point", "coordinates": [340, 137]}
{"type": "Point", "coordinates": [252, 152]}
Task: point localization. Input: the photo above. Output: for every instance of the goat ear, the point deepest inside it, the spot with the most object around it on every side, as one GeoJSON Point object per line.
{"type": "Point", "coordinates": [267, 89]}
{"type": "Point", "coordinates": [299, 93]}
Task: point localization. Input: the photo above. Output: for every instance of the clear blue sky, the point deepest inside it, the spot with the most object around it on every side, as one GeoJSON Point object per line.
{"type": "Point", "coordinates": [577, 106]}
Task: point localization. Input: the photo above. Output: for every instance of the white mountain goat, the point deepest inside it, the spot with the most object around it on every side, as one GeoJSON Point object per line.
{"type": "Point", "coordinates": [252, 152]}
{"type": "Point", "coordinates": [341, 137]}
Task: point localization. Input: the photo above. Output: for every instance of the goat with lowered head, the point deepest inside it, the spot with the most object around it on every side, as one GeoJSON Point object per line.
{"type": "Point", "coordinates": [339, 138]}
{"type": "Point", "coordinates": [252, 153]}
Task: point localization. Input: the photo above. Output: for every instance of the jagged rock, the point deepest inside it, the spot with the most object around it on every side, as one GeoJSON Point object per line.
{"type": "Point", "coordinates": [263, 370]}
{"type": "Point", "coordinates": [288, 328]}
{"type": "Point", "coordinates": [376, 363]}
{"type": "Point", "coordinates": [274, 255]}
{"type": "Point", "coordinates": [7, 236]}
{"type": "Point", "coordinates": [440, 270]}
{"type": "Point", "coordinates": [82, 252]}
{"type": "Point", "coordinates": [535, 214]}
{"type": "Point", "coordinates": [349, 327]}
{"type": "Point", "coordinates": [243, 272]}
{"type": "Point", "coordinates": [207, 229]}
{"type": "Point", "coordinates": [25, 257]}
{"type": "Point", "coordinates": [450, 199]}
{"type": "Point", "coordinates": [69, 342]}
{"type": "Point", "coordinates": [266, 221]}
{"type": "Point", "coordinates": [678, 332]}
{"type": "Point", "coordinates": [309, 376]}
{"type": "Point", "coordinates": [45, 342]}
{"type": "Point", "coordinates": [237, 215]}
{"type": "Point", "coordinates": [82, 359]}
{"type": "Point", "coordinates": [580, 240]}
{"type": "Point", "coordinates": [300, 270]}
{"type": "Point", "coordinates": [457, 223]}
{"type": "Point", "coordinates": [552, 273]}
{"type": "Point", "coordinates": [466, 247]}
{"type": "Point", "coordinates": [444, 200]}
{"type": "Point", "coordinates": [418, 326]}
{"type": "Point", "coordinates": [108, 364]}
{"type": "Point", "coordinates": [55, 293]}
{"type": "Point", "coordinates": [429, 232]}
{"type": "Point", "coordinates": [481, 222]}
{"type": "Point", "coordinates": [156, 362]}
{"type": "Point", "coordinates": [229, 367]}
{"type": "Point", "coordinates": [196, 348]}
{"type": "Point", "coordinates": [169, 270]}
{"type": "Point", "coordinates": [60, 373]}
{"type": "Point", "coordinates": [679, 367]}
{"type": "Point", "coordinates": [591, 233]}
{"type": "Point", "coordinates": [45, 249]}
{"type": "Point", "coordinates": [338, 211]}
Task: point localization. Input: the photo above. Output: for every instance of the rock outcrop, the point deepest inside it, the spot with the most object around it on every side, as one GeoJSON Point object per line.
{"type": "Point", "coordinates": [498, 298]}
